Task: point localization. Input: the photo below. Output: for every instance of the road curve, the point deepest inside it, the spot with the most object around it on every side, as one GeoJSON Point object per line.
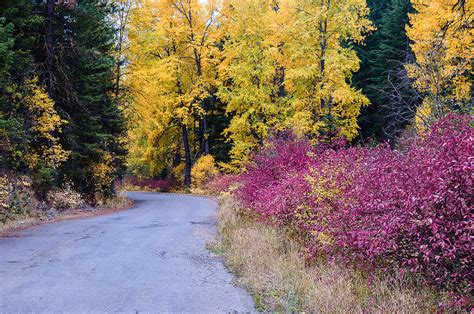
{"type": "Point", "coordinates": [150, 258]}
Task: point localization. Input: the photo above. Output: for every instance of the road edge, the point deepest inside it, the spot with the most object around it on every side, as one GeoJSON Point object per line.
{"type": "Point", "coordinates": [13, 230]}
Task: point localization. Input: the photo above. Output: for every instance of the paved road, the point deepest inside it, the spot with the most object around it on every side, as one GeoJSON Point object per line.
{"type": "Point", "coordinates": [150, 258]}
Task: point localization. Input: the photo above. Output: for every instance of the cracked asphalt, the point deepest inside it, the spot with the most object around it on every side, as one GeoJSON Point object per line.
{"type": "Point", "coordinates": [150, 258]}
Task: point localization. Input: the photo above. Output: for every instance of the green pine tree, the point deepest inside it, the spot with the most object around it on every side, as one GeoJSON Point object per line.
{"type": "Point", "coordinates": [19, 30]}
{"type": "Point", "coordinates": [382, 77]}
{"type": "Point", "coordinates": [84, 91]}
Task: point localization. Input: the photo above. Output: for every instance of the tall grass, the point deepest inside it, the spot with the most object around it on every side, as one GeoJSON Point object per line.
{"type": "Point", "coordinates": [270, 264]}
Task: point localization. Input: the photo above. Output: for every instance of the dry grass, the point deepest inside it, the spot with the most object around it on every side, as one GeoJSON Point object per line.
{"type": "Point", "coordinates": [120, 201]}
{"type": "Point", "coordinates": [268, 263]}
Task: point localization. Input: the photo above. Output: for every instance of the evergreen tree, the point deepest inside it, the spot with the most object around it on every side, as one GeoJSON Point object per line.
{"type": "Point", "coordinates": [9, 122]}
{"type": "Point", "coordinates": [84, 91]}
{"type": "Point", "coordinates": [382, 76]}
{"type": "Point", "coordinates": [68, 52]}
{"type": "Point", "coordinates": [29, 123]}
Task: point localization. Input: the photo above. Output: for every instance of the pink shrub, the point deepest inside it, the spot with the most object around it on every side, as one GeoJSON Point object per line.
{"type": "Point", "coordinates": [221, 183]}
{"type": "Point", "coordinates": [162, 185]}
{"type": "Point", "coordinates": [415, 208]}
{"type": "Point", "coordinates": [274, 184]}
{"type": "Point", "coordinates": [410, 209]}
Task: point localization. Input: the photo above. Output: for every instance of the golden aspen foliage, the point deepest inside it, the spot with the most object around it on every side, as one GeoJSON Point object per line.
{"type": "Point", "coordinates": [172, 69]}
{"type": "Point", "coordinates": [442, 36]}
{"type": "Point", "coordinates": [45, 127]}
{"type": "Point", "coordinates": [103, 175]}
{"type": "Point", "coordinates": [321, 65]}
{"type": "Point", "coordinates": [252, 72]}
{"type": "Point", "coordinates": [288, 65]}
{"type": "Point", "coordinates": [274, 65]}
{"type": "Point", "coordinates": [178, 173]}
{"type": "Point", "coordinates": [203, 170]}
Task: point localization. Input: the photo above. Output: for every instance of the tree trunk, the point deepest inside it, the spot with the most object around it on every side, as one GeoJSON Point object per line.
{"type": "Point", "coordinates": [187, 156]}
{"type": "Point", "coordinates": [205, 141]}
{"type": "Point", "coordinates": [323, 28]}
{"type": "Point", "coordinates": [205, 137]}
{"type": "Point", "coordinates": [125, 6]}
{"type": "Point", "coordinates": [119, 60]}
{"type": "Point", "coordinates": [117, 80]}
{"type": "Point", "coordinates": [281, 82]}
{"type": "Point", "coordinates": [49, 45]}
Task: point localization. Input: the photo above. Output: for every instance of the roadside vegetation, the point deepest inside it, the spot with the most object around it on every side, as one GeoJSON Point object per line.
{"type": "Point", "coordinates": [270, 263]}
{"type": "Point", "coordinates": [391, 226]}
{"type": "Point", "coordinates": [20, 207]}
{"type": "Point", "coordinates": [61, 126]}
{"type": "Point", "coordinates": [134, 183]}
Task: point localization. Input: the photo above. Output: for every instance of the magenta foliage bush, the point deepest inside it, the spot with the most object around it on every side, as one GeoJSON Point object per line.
{"type": "Point", "coordinates": [221, 183]}
{"type": "Point", "coordinates": [162, 185]}
{"type": "Point", "coordinates": [412, 209]}
{"type": "Point", "coordinates": [274, 184]}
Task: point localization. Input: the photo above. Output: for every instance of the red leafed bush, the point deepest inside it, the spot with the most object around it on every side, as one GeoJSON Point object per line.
{"type": "Point", "coordinates": [149, 184]}
{"type": "Point", "coordinates": [410, 209]}
{"type": "Point", "coordinates": [221, 183]}
{"type": "Point", "coordinates": [416, 207]}
{"type": "Point", "coordinates": [274, 185]}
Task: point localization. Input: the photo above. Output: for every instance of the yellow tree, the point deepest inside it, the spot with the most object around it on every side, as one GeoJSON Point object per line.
{"type": "Point", "coordinates": [172, 71]}
{"type": "Point", "coordinates": [288, 65]}
{"type": "Point", "coordinates": [322, 61]}
{"type": "Point", "coordinates": [442, 36]}
{"type": "Point", "coordinates": [277, 64]}
{"type": "Point", "coordinates": [252, 71]}
{"type": "Point", "coordinates": [43, 126]}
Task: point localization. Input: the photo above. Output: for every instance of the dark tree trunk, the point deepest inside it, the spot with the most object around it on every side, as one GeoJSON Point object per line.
{"type": "Point", "coordinates": [205, 137]}
{"type": "Point", "coordinates": [323, 28]}
{"type": "Point", "coordinates": [323, 45]}
{"type": "Point", "coordinates": [117, 80]}
{"type": "Point", "coordinates": [195, 151]}
{"type": "Point", "coordinates": [187, 157]}
{"type": "Point", "coordinates": [123, 15]}
{"type": "Point", "coordinates": [281, 82]}
{"type": "Point", "coordinates": [205, 141]}
{"type": "Point", "coordinates": [49, 45]}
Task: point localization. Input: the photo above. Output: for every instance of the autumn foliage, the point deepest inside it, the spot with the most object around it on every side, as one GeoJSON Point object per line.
{"type": "Point", "coordinates": [204, 169]}
{"type": "Point", "coordinates": [442, 42]}
{"type": "Point", "coordinates": [263, 65]}
{"type": "Point", "coordinates": [409, 209]}
{"type": "Point", "coordinates": [131, 183]}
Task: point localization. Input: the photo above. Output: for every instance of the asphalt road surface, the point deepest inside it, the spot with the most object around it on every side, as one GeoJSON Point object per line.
{"type": "Point", "coordinates": [151, 258]}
